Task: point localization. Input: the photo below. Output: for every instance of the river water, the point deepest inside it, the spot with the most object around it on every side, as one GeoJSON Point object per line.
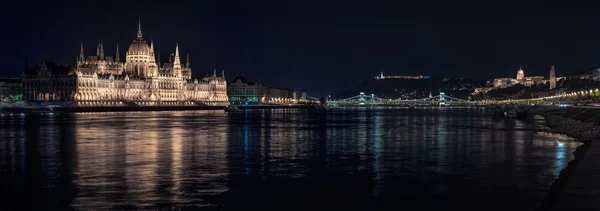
{"type": "Point", "coordinates": [278, 159]}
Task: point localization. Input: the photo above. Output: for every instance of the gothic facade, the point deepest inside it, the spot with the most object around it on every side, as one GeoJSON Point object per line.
{"type": "Point", "coordinates": [141, 80]}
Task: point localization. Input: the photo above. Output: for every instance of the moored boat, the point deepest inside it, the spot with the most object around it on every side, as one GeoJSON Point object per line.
{"type": "Point", "coordinates": [510, 113]}
{"type": "Point", "coordinates": [231, 108]}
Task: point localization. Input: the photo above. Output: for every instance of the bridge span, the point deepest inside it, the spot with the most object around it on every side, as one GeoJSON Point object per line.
{"type": "Point", "coordinates": [363, 99]}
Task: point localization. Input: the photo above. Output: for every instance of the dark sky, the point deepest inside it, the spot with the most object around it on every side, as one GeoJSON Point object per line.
{"type": "Point", "coordinates": [323, 46]}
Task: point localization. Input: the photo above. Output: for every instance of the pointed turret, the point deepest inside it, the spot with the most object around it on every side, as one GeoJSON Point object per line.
{"type": "Point", "coordinates": [101, 51]}
{"type": "Point", "coordinates": [177, 62]}
{"type": "Point", "coordinates": [152, 58]}
{"type": "Point", "coordinates": [152, 47]}
{"type": "Point", "coordinates": [139, 33]}
{"type": "Point", "coordinates": [187, 61]}
{"type": "Point", "coordinates": [117, 57]}
{"type": "Point", "coordinates": [81, 56]}
{"type": "Point", "coordinates": [223, 73]}
{"type": "Point", "coordinates": [215, 72]}
{"type": "Point", "coordinates": [159, 61]}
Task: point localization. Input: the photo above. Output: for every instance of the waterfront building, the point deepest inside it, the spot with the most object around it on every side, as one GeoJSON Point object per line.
{"type": "Point", "coordinates": [241, 90]}
{"type": "Point", "coordinates": [10, 89]}
{"type": "Point", "coordinates": [281, 95]}
{"type": "Point", "coordinates": [141, 80]}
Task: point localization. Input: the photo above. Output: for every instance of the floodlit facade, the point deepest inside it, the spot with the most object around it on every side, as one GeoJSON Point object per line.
{"type": "Point", "coordinates": [520, 79]}
{"type": "Point", "coordinates": [241, 91]}
{"type": "Point", "coordinates": [141, 80]}
{"type": "Point", "coordinates": [10, 88]}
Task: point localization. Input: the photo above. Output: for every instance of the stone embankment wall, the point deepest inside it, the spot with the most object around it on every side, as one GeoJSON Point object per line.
{"type": "Point", "coordinates": [581, 131]}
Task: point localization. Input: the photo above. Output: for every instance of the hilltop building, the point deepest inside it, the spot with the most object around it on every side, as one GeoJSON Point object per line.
{"type": "Point", "coordinates": [381, 76]}
{"type": "Point", "coordinates": [520, 79]}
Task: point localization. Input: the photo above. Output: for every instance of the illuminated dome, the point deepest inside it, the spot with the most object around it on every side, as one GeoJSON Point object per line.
{"type": "Point", "coordinates": [520, 74]}
{"type": "Point", "coordinates": [139, 47]}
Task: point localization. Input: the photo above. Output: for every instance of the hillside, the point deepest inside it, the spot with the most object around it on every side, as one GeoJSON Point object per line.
{"type": "Point", "coordinates": [413, 88]}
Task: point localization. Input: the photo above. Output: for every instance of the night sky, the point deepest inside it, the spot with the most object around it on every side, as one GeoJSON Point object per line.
{"type": "Point", "coordinates": [323, 46]}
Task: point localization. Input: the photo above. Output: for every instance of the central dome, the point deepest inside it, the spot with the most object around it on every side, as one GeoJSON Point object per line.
{"type": "Point", "coordinates": [139, 47]}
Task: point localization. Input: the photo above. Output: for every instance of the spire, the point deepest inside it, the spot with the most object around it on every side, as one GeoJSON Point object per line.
{"type": "Point", "coordinates": [215, 72]}
{"type": "Point", "coordinates": [159, 62]}
{"type": "Point", "coordinates": [151, 47]}
{"type": "Point", "coordinates": [139, 34]}
{"type": "Point", "coordinates": [117, 58]}
{"type": "Point", "coordinates": [176, 52]}
{"type": "Point", "coordinates": [81, 56]}
{"type": "Point", "coordinates": [98, 50]}
{"type": "Point", "coordinates": [187, 61]}
{"type": "Point", "coordinates": [177, 62]}
{"type": "Point", "coordinates": [101, 51]}
{"type": "Point", "coordinates": [223, 73]}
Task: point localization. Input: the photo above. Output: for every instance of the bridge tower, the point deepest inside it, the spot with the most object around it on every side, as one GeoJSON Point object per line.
{"type": "Point", "coordinates": [442, 101]}
{"type": "Point", "coordinates": [361, 98]}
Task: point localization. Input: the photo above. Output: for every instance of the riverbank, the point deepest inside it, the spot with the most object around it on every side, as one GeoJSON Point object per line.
{"type": "Point", "coordinates": [38, 109]}
{"type": "Point", "coordinates": [565, 192]}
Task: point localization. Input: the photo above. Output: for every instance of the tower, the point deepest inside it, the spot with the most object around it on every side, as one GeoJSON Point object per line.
{"type": "Point", "coordinates": [81, 56]}
{"type": "Point", "coordinates": [159, 62]}
{"type": "Point", "coordinates": [223, 73]}
{"type": "Point", "coordinates": [520, 74]}
{"type": "Point", "coordinates": [552, 78]}
{"type": "Point", "coordinates": [117, 58]}
{"type": "Point", "coordinates": [101, 55]}
{"type": "Point", "coordinates": [187, 61]}
{"type": "Point", "coordinates": [139, 33]}
{"type": "Point", "coordinates": [177, 62]}
{"type": "Point", "coordinates": [152, 64]}
{"type": "Point", "coordinates": [137, 56]}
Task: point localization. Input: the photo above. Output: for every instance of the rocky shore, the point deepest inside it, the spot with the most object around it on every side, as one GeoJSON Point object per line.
{"type": "Point", "coordinates": [582, 132]}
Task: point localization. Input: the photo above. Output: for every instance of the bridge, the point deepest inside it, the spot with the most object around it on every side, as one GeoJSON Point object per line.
{"type": "Point", "coordinates": [363, 99]}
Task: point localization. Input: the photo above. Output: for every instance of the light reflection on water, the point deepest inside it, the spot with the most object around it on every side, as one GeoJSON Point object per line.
{"type": "Point", "coordinates": [278, 159]}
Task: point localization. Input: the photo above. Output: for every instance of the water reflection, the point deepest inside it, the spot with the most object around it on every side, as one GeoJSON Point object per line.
{"type": "Point", "coordinates": [278, 159]}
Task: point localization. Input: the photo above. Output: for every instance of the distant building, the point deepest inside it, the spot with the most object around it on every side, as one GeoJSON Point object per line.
{"type": "Point", "coordinates": [10, 88]}
{"type": "Point", "coordinates": [281, 95]}
{"type": "Point", "coordinates": [504, 82]}
{"type": "Point", "coordinates": [482, 90]}
{"type": "Point", "coordinates": [552, 78]}
{"type": "Point", "coordinates": [241, 90]}
{"type": "Point", "coordinates": [381, 76]}
{"type": "Point", "coordinates": [521, 79]}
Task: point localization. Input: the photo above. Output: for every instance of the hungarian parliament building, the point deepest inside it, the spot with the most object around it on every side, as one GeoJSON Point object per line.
{"type": "Point", "coordinates": [141, 80]}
